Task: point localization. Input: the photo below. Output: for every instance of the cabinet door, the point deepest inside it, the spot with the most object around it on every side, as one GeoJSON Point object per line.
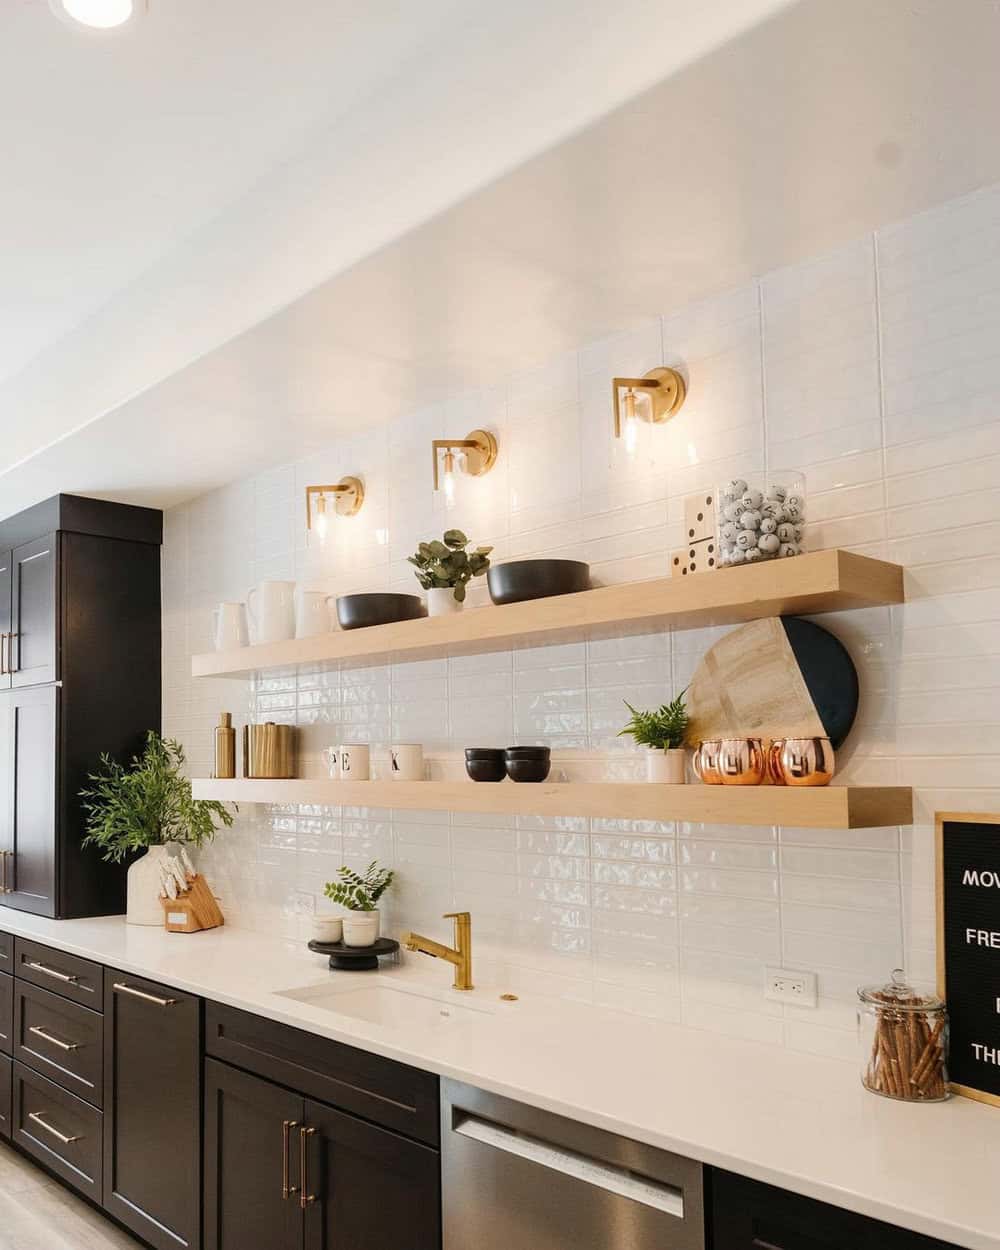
{"type": "Point", "coordinates": [28, 770]}
{"type": "Point", "coordinates": [251, 1169]}
{"type": "Point", "coordinates": [370, 1189]}
{"type": "Point", "coordinates": [152, 1104]}
{"type": "Point", "coordinates": [34, 624]}
{"type": "Point", "coordinates": [6, 1072]}
{"type": "Point", "coordinates": [6, 591]}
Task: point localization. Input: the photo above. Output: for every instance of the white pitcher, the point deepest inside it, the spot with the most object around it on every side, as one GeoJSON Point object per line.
{"type": "Point", "coordinates": [312, 613]}
{"type": "Point", "coordinates": [271, 609]}
{"type": "Point", "coordinates": [229, 626]}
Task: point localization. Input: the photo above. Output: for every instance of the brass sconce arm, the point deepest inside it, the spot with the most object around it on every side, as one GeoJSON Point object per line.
{"type": "Point", "coordinates": [349, 493]}
{"type": "Point", "coordinates": [480, 449]}
{"type": "Point", "coordinates": [666, 390]}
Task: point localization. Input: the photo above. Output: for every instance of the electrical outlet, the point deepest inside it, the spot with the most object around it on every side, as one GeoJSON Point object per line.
{"type": "Point", "coordinates": [784, 986]}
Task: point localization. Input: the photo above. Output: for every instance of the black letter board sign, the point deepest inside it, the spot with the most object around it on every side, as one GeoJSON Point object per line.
{"type": "Point", "coordinates": [968, 952]}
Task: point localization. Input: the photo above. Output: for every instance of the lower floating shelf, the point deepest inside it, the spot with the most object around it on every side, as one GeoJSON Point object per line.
{"type": "Point", "coordinates": [823, 807]}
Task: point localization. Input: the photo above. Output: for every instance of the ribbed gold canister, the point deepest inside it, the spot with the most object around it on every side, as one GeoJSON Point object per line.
{"type": "Point", "coordinates": [268, 750]}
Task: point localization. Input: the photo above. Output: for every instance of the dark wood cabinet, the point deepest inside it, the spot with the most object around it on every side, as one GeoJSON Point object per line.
{"type": "Point", "coordinates": [79, 675]}
{"type": "Point", "coordinates": [58, 1129]}
{"type": "Point", "coordinates": [6, 1014]}
{"type": "Point", "coordinates": [748, 1215]}
{"type": "Point", "coordinates": [152, 1100]}
{"type": "Point", "coordinates": [6, 1077]}
{"type": "Point", "coordinates": [365, 1187]}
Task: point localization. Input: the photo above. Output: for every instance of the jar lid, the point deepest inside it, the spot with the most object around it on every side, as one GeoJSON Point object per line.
{"type": "Point", "coordinates": [899, 996]}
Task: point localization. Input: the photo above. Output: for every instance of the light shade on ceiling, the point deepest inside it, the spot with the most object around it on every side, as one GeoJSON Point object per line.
{"type": "Point", "coordinates": [99, 14]}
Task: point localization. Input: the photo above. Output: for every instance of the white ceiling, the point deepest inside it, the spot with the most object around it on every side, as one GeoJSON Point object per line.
{"type": "Point", "coordinates": [310, 307]}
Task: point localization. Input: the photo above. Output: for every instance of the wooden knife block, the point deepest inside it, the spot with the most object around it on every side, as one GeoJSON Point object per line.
{"type": "Point", "coordinates": [194, 910]}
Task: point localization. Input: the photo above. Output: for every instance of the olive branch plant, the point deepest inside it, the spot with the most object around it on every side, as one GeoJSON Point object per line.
{"type": "Point", "coordinates": [444, 563]}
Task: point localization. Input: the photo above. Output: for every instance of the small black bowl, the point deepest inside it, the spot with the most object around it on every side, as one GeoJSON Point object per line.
{"type": "Point", "coordinates": [485, 763]}
{"type": "Point", "coordinates": [528, 753]}
{"type": "Point", "coordinates": [360, 611]}
{"type": "Point", "coordinates": [521, 769]}
{"type": "Point", "coordinates": [520, 580]}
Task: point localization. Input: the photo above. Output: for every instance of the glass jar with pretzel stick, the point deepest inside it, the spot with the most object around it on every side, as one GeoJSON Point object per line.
{"type": "Point", "coordinates": [904, 1042]}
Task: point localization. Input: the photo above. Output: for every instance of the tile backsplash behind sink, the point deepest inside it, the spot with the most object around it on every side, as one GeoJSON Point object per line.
{"type": "Point", "coordinates": [873, 370]}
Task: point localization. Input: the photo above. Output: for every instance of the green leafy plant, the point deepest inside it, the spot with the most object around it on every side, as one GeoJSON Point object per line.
{"type": "Point", "coordinates": [147, 803]}
{"type": "Point", "coordinates": [665, 729]}
{"type": "Point", "coordinates": [445, 563]}
{"type": "Point", "coordinates": [357, 892]}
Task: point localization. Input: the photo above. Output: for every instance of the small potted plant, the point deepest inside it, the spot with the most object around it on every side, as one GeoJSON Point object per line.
{"type": "Point", "coordinates": [360, 895]}
{"type": "Point", "coordinates": [444, 568]}
{"type": "Point", "coordinates": [663, 732]}
{"type": "Point", "coordinates": [147, 807]}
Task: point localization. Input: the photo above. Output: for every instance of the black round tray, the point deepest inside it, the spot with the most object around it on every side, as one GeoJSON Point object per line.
{"type": "Point", "coordinates": [355, 958]}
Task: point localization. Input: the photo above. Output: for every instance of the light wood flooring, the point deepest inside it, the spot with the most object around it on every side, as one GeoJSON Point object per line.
{"type": "Point", "coordinates": [38, 1214]}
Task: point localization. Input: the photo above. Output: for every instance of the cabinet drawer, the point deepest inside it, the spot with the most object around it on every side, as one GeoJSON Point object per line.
{"type": "Point", "coordinates": [388, 1093]}
{"type": "Point", "coordinates": [61, 1040]}
{"type": "Point", "coordinates": [6, 953]}
{"type": "Point", "coordinates": [6, 1071]}
{"type": "Point", "coordinates": [73, 978]}
{"type": "Point", "coordinates": [59, 1129]}
{"type": "Point", "coordinates": [6, 1013]}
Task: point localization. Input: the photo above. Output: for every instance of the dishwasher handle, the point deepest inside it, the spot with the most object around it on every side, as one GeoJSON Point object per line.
{"type": "Point", "coordinates": [619, 1181]}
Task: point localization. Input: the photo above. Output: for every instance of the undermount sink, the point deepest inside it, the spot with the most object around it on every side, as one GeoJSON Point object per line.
{"type": "Point", "coordinates": [390, 1005]}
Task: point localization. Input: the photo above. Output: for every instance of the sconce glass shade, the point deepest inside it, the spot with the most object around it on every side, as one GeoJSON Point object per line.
{"type": "Point", "coordinates": [474, 455]}
{"type": "Point", "coordinates": [653, 398]}
{"type": "Point", "coordinates": [343, 498]}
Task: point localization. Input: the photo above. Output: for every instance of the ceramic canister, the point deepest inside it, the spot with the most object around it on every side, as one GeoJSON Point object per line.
{"type": "Point", "coordinates": [355, 761]}
{"type": "Point", "coordinates": [801, 762]}
{"type": "Point", "coordinates": [407, 761]}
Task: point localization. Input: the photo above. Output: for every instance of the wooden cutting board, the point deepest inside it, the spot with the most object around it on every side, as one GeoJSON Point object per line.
{"type": "Point", "coordinates": [780, 677]}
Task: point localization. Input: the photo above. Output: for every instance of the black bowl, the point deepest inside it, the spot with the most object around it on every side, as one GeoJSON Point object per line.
{"type": "Point", "coordinates": [519, 580]}
{"type": "Point", "coordinates": [527, 770]}
{"type": "Point", "coordinates": [360, 611]}
{"type": "Point", "coordinates": [528, 753]}
{"type": "Point", "coordinates": [485, 764]}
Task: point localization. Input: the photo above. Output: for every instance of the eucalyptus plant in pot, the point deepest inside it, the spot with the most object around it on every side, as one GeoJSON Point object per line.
{"type": "Point", "coordinates": [444, 569]}
{"type": "Point", "coordinates": [359, 894]}
{"type": "Point", "coordinates": [144, 809]}
{"type": "Point", "coordinates": [663, 731]}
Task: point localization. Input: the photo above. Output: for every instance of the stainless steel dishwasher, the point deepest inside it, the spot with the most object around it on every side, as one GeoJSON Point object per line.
{"type": "Point", "coordinates": [515, 1178]}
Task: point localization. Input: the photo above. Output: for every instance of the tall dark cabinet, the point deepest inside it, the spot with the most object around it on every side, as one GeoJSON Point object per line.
{"type": "Point", "coordinates": [79, 674]}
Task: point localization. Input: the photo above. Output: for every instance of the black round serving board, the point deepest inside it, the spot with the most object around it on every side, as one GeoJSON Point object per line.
{"type": "Point", "coordinates": [355, 958]}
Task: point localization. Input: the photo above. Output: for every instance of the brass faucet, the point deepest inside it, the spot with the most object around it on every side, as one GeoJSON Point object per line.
{"type": "Point", "coordinates": [461, 956]}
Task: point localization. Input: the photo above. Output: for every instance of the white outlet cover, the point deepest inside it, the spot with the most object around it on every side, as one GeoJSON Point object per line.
{"type": "Point", "coordinates": [789, 985]}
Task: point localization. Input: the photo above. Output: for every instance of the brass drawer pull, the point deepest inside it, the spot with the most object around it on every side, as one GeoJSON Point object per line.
{"type": "Point", "coordinates": [54, 1041]}
{"type": "Point", "coordinates": [4, 886]}
{"type": "Point", "coordinates": [122, 988]}
{"type": "Point", "coordinates": [54, 972]}
{"type": "Point", "coordinates": [287, 1189]}
{"type": "Point", "coordinates": [4, 670]}
{"type": "Point", "coordinates": [305, 1197]}
{"type": "Point", "coordinates": [11, 668]}
{"type": "Point", "coordinates": [36, 1116]}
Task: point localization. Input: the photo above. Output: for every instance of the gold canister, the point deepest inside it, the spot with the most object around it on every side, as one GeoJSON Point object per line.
{"type": "Point", "coordinates": [225, 746]}
{"type": "Point", "coordinates": [742, 761]}
{"type": "Point", "coordinates": [268, 750]}
{"type": "Point", "coordinates": [801, 762]}
{"type": "Point", "coordinates": [705, 762]}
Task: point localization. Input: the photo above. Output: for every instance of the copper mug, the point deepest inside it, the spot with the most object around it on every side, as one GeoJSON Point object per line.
{"type": "Point", "coordinates": [730, 762]}
{"type": "Point", "coordinates": [800, 762]}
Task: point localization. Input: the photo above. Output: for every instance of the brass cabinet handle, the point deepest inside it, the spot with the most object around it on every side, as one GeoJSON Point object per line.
{"type": "Point", "coordinates": [36, 1116]}
{"type": "Point", "coordinates": [54, 1041]}
{"type": "Point", "coordinates": [305, 1197]}
{"type": "Point", "coordinates": [3, 655]}
{"type": "Point", "coordinates": [53, 972]}
{"type": "Point", "coordinates": [3, 872]}
{"type": "Point", "coordinates": [10, 653]}
{"type": "Point", "coordinates": [286, 1189]}
{"type": "Point", "coordinates": [122, 988]}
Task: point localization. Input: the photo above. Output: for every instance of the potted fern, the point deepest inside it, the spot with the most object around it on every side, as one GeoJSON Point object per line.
{"type": "Point", "coordinates": [359, 894]}
{"type": "Point", "coordinates": [444, 569]}
{"type": "Point", "coordinates": [147, 807]}
{"type": "Point", "coordinates": [663, 731]}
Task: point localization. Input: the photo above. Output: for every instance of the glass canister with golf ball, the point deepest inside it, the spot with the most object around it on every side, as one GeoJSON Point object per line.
{"type": "Point", "coordinates": [761, 517]}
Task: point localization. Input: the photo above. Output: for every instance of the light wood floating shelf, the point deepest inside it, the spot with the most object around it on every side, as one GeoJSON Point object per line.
{"type": "Point", "coordinates": [825, 807]}
{"type": "Point", "coordinates": [822, 581]}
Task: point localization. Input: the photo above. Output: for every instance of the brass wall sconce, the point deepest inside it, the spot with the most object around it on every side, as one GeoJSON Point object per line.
{"type": "Point", "coordinates": [475, 455]}
{"type": "Point", "coordinates": [348, 496]}
{"type": "Point", "coordinates": [656, 396]}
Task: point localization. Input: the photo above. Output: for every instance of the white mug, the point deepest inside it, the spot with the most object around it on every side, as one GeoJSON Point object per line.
{"type": "Point", "coordinates": [355, 761]}
{"type": "Point", "coordinates": [272, 619]}
{"type": "Point", "coordinates": [229, 626]}
{"type": "Point", "coordinates": [312, 615]}
{"type": "Point", "coordinates": [407, 760]}
{"type": "Point", "coordinates": [331, 758]}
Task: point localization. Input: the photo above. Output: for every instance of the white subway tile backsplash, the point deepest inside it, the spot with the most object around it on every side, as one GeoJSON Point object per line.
{"type": "Point", "coordinates": [873, 370]}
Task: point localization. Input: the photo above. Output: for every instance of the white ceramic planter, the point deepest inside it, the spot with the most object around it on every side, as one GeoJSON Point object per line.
{"type": "Point", "coordinates": [361, 928]}
{"type": "Point", "coordinates": [667, 767]}
{"type": "Point", "coordinates": [441, 601]}
{"type": "Point", "coordinates": [143, 893]}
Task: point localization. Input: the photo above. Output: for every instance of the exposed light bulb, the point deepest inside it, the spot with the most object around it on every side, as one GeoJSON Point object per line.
{"type": "Point", "coordinates": [631, 423]}
{"type": "Point", "coordinates": [448, 479]}
{"type": "Point", "coordinates": [100, 14]}
{"type": "Point", "coordinates": [321, 520]}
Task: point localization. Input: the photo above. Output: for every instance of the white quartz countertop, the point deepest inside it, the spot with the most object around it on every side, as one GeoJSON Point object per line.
{"type": "Point", "coordinates": [797, 1121]}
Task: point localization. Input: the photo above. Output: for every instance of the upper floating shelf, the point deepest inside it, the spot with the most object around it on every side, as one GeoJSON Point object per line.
{"type": "Point", "coordinates": [822, 581]}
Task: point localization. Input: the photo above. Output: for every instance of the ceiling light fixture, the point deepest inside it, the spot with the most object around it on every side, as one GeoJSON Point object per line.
{"type": "Point", "coordinates": [98, 14]}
